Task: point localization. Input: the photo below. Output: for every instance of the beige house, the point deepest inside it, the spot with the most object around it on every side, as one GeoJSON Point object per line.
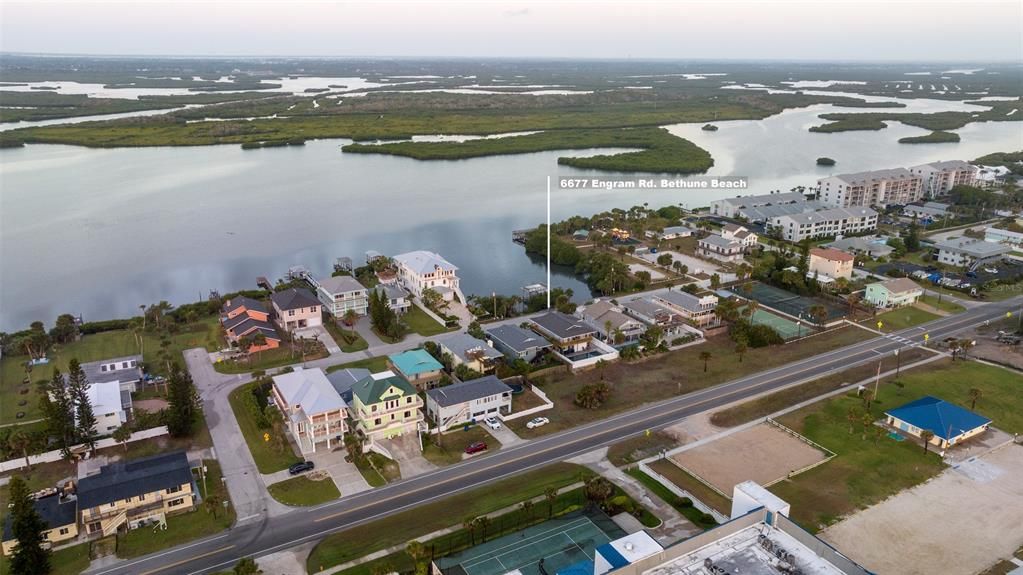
{"type": "Point", "coordinates": [135, 493]}
{"type": "Point", "coordinates": [313, 410]}
{"type": "Point", "coordinates": [296, 308]}
{"type": "Point", "coordinates": [739, 234]}
{"type": "Point", "coordinates": [60, 513]}
{"type": "Point", "coordinates": [831, 263]}
{"type": "Point", "coordinates": [384, 406]}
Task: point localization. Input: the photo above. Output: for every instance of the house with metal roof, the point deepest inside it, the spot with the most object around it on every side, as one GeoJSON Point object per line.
{"type": "Point", "coordinates": [896, 292]}
{"type": "Point", "coordinates": [969, 252]}
{"type": "Point", "coordinates": [420, 270]}
{"type": "Point", "coordinates": [296, 308]}
{"type": "Point", "coordinates": [453, 405]}
{"type": "Point", "coordinates": [697, 309]}
{"type": "Point", "coordinates": [417, 366]}
{"type": "Point", "coordinates": [342, 293]}
{"type": "Point", "coordinates": [344, 380]}
{"type": "Point", "coordinates": [126, 371]}
{"type": "Point", "coordinates": [313, 410]}
{"type": "Point", "coordinates": [949, 423]}
{"type": "Point", "coordinates": [475, 354]}
{"type": "Point", "coordinates": [669, 233]}
{"type": "Point", "coordinates": [720, 248]}
{"type": "Point", "coordinates": [651, 312]}
{"type": "Point", "coordinates": [602, 315]}
{"type": "Point", "coordinates": [518, 343]}
{"type": "Point", "coordinates": [386, 406]}
{"type": "Point", "coordinates": [574, 341]}
{"type": "Point", "coordinates": [135, 493]}
{"type": "Point", "coordinates": [396, 297]}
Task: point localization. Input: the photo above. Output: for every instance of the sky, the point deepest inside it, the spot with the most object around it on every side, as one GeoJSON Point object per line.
{"type": "Point", "coordinates": [892, 30]}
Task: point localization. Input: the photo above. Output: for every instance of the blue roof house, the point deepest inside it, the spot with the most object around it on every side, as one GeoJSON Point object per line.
{"type": "Point", "coordinates": [417, 366]}
{"type": "Point", "coordinates": [950, 423]}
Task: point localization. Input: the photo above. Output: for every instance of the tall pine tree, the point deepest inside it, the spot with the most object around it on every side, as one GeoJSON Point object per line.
{"type": "Point", "coordinates": [59, 411]}
{"type": "Point", "coordinates": [29, 557]}
{"type": "Point", "coordinates": [184, 402]}
{"type": "Point", "coordinates": [78, 391]}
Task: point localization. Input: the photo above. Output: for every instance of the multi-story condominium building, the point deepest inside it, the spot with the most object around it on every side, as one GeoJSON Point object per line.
{"type": "Point", "coordinates": [730, 207]}
{"type": "Point", "coordinates": [135, 493]}
{"type": "Point", "coordinates": [720, 248]}
{"type": "Point", "coordinates": [825, 223]}
{"type": "Point", "coordinates": [966, 252]}
{"type": "Point", "coordinates": [473, 353]}
{"type": "Point", "coordinates": [386, 406]}
{"type": "Point", "coordinates": [460, 403]}
{"type": "Point", "coordinates": [338, 294]}
{"type": "Point", "coordinates": [896, 186]}
{"type": "Point", "coordinates": [832, 263]}
{"type": "Point", "coordinates": [697, 309]}
{"type": "Point", "coordinates": [60, 512]}
{"type": "Point", "coordinates": [421, 269]}
{"type": "Point", "coordinates": [313, 409]}
{"type": "Point", "coordinates": [940, 177]}
{"type": "Point", "coordinates": [1000, 236]}
{"type": "Point", "coordinates": [296, 308]}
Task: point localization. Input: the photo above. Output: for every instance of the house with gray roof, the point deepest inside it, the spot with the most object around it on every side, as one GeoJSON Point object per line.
{"type": "Point", "coordinates": [474, 353]}
{"type": "Point", "coordinates": [397, 297]}
{"type": "Point", "coordinates": [344, 380]}
{"type": "Point", "coordinates": [654, 313]}
{"type": "Point", "coordinates": [602, 315]}
{"type": "Point", "coordinates": [720, 248]}
{"type": "Point", "coordinates": [342, 293]}
{"type": "Point", "coordinates": [969, 252]}
{"type": "Point", "coordinates": [313, 409]}
{"type": "Point", "coordinates": [518, 343]}
{"type": "Point", "coordinates": [697, 309]}
{"type": "Point", "coordinates": [126, 371]}
{"type": "Point", "coordinates": [567, 332]}
{"type": "Point", "coordinates": [453, 405]}
{"type": "Point", "coordinates": [295, 308]}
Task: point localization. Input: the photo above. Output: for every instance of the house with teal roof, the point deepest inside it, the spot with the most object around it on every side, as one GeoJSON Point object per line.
{"type": "Point", "coordinates": [385, 406]}
{"type": "Point", "coordinates": [417, 366]}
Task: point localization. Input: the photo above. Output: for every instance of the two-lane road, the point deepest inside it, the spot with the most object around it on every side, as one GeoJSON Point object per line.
{"type": "Point", "coordinates": [277, 533]}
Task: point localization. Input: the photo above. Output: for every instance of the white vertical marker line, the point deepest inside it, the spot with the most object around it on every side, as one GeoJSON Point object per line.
{"type": "Point", "coordinates": [548, 242]}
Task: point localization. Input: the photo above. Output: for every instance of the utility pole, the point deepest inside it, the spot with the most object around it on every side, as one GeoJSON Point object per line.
{"type": "Point", "coordinates": [548, 242]}
{"type": "Point", "coordinates": [898, 363]}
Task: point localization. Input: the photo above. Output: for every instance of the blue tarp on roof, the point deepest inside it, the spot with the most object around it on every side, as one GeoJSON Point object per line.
{"type": "Point", "coordinates": [945, 419]}
{"type": "Point", "coordinates": [608, 552]}
{"type": "Point", "coordinates": [580, 568]}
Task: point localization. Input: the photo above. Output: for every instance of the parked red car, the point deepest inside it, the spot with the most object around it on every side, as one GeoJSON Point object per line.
{"type": "Point", "coordinates": [477, 447]}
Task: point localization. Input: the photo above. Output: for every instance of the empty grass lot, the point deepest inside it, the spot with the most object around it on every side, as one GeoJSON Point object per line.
{"type": "Point", "coordinates": [302, 491]}
{"type": "Point", "coordinates": [268, 459]}
{"type": "Point", "coordinates": [67, 561]}
{"type": "Point", "coordinates": [901, 318]}
{"type": "Point", "coordinates": [374, 364]}
{"type": "Point", "coordinates": [946, 304]}
{"type": "Point", "coordinates": [453, 444]}
{"type": "Point", "coordinates": [865, 473]}
{"type": "Point", "coordinates": [421, 323]}
{"type": "Point", "coordinates": [674, 473]}
{"type": "Point", "coordinates": [403, 527]}
{"type": "Point", "coordinates": [672, 374]}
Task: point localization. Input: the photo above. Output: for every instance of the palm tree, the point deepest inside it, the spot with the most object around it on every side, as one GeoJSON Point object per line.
{"type": "Point", "coordinates": [741, 347]}
{"type": "Point", "coordinates": [819, 313]}
{"type": "Point", "coordinates": [927, 435]}
{"type": "Point", "coordinates": [20, 441]}
{"type": "Point", "coordinates": [867, 420]}
{"type": "Point", "coordinates": [975, 394]}
{"type": "Point", "coordinates": [527, 509]}
{"type": "Point", "coordinates": [751, 308]}
{"type": "Point", "coordinates": [607, 330]}
{"type": "Point", "coordinates": [705, 357]}
{"type": "Point", "coordinates": [211, 503]}
{"type": "Point", "coordinates": [259, 340]}
{"type": "Point", "coordinates": [350, 318]}
{"type": "Point", "coordinates": [246, 566]}
{"type": "Point", "coordinates": [551, 495]}
{"type": "Point", "coordinates": [469, 524]}
{"type": "Point", "coordinates": [483, 522]}
{"type": "Point", "coordinates": [601, 365]}
{"type": "Point", "coordinates": [964, 346]}
{"type": "Point", "coordinates": [853, 299]}
{"type": "Point", "coordinates": [417, 551]}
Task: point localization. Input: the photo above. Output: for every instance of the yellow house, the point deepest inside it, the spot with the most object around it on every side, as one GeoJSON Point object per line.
{"type": "Point", "coordinates": [384, 406]}
{"type": "Point", "coordinates": [136, 493]}
{"type": "Point", "coordinates": [61, 517]}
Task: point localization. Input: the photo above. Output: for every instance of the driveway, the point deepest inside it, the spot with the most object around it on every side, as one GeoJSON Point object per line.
{"type": "Point", "coordinates": [407, 454]}
{"type": "Point", "coordinates": [505, 436]}
{"type": "Point", "coordinates": [319, 332]}
{"type": "Point", "coordinates": [345, 475]}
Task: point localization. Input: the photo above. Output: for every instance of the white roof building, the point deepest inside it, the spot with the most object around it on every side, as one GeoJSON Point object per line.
{"type": "Point", "coordinates": [421, 269]}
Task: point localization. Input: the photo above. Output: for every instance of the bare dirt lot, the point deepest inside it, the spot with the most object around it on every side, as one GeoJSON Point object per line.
{"type": "Point", "coordinates": [763, 453]}
{"type": "Point", "coordinates": [955, 524]}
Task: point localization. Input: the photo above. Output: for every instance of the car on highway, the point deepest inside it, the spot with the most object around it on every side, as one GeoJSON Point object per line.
{"type": "Point", "coordinates": [478, 447]}
{"type": "Point", "coordinates": [492, 423]}
{"type": "Point", "coordinates": [991, 270]}
{"type": "Point", "coordinates": [301, 467]}
{"type": "Point", "coordinates": [537, 422]}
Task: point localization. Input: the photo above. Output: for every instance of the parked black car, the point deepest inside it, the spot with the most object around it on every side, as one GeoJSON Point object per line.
{"type": "Point", "coordinates": [300, 467]}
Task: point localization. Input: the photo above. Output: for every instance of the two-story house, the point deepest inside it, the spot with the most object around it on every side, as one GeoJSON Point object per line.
{"type": "Point", "coordinates": [567, 333]}
{"type": "Point", "coordinates": [740, 234]}
{"type": "Point", "coordinates": [720, 248]}
{"type": "Point", "coordinates": [397, 297]}
{"type": "Point", "coordinates": [386, 406]}
{"type": "Point", "coordinates": [461, 403]}
{"type": "Point", "coordinates": [649, 311]}
{"type": "Point", "coordinates": [417, 366]}
{"type": "Point", "coordinates": [126, 371]}
{"type": "Point", "coordinates": [518, 343]}
{"type": "Point", "coordinates": [339, 294]}
{"type": "Point", "coordinates": [421, 269]}
{"type": "Point", "coordinates": [296, 308]}
{"type": "Point", "coordinates": [831, 263]}
{"type": "Point", "coordinates": [135, 493]}
{"type": "Point", "coordinates": [243, 318]}
{"type": "Point", "coordinates": [611, 324]}
{"type": "Point", "coordinates": [697, 309]}
{"type": "Point", "coordinates": [466, 350]}
{"type": "Point", "coordinates": [313, 409]}
{"type": "Point", "coordinates": [60, 512]}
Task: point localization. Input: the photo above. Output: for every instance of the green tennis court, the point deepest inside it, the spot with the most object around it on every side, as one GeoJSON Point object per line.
{"type": "Point", "coordinates": [558, 543]}
{"type": "Point", "coordinates": [786, 328]}
{"type": "Point", "coordinates": [790, 303]}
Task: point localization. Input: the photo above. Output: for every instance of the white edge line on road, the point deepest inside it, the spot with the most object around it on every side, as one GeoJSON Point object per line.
{"type": "Point", "coordinates": [168, 552]}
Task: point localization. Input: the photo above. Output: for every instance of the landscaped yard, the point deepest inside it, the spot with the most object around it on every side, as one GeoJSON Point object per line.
{"type": "Point", "coordinates": [403, 527]}
{"type": "Point", "coordinates": [671, 374]}
{"type": "Point", "coordinates": [901, 318]}
{"type": "Point", "coordinates": [345, 338]}
{"type": "Point", "coordinates": [374, 364]}
{"type": "Point", "coordinates": [303, 491]}
{"type": "Point", "coordinates": [419, 322]}
{"type": "Point", "coordinates": [377, 469]}
{"type": "Point", "coordinates": [268, 457]}
{"type": "Point", "coordinates": [453, 444]}
{"type": "Point", "coordinates": [185, 527]}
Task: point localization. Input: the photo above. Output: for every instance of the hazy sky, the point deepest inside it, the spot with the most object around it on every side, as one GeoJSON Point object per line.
{"type": "Point", "coordinates": [814, 30]}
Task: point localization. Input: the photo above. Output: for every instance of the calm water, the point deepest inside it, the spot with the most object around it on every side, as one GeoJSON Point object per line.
{"type": "Point", "coordinates": [99, 232]}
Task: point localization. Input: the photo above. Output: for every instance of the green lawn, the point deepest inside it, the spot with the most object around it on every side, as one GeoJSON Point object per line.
{"type": "Point", "coordinates": [641, 447]}
{"type": "Point", "coordinates": [302, 491]}
{"type": "Point", "coordinates": [421, 323]}
{"type": "Point", "coordinates": [344, 337]}
{"type": "Point", "coordinates": [945, 305]}
{"type": "Point", "coordinates": [691, 513]}
{"type": "Point", "coordinates": [269, 359]}
{"type": "Point", "coordinates": [67, 561]}
{"type": "Point", "coordinates": [403, 527]}
{"type": "Point", "coordinates": [268, 459]}
{"type": "Point", "coordinates": [674, 474]}
{"type": "Point", "coordinates": [901, 318]}
{"type": "Point", "coordinates": [374, 364]}
{"type": "Point", "coordinates": [453, 444]}
{"type": "Point", "coordinates": [185, 527]}
{"type": "Point", "coordinates": [671, 374]}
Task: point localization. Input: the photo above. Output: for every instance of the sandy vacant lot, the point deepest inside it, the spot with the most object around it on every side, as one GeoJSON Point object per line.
{"type": "Point", "coordinates": [957, 523]}
{"type": "Point", "coordinates": [762, 453]}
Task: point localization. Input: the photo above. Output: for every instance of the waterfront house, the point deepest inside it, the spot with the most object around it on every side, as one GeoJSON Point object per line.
{"type": "Point", "coordinates": [831, 263]}
{"type": "Point", "coordinates": [421, 269]}
{"type": "Point", "coordinates": [386, 406]}
{"type": "Point", "coordinates": [243, 318]}
{"type": "Point", "coordinates": [339, 294]}
{"type": "Point", "coordinates": [699, 310]}
{"type": "Point", "coordinates": [135, 493]}
{"type": "Point", "coordinates": [518, 343]}
{"type": "Point", "coordinates": [296, 308]}
{"type": "Point", "coordinates": [469, 401]}
{"type": "Point", "coordinates": [574, 341]}
{"type": "Point", "coordinates": [313, 410]}
{"type": "Point", "coordinates": [417, 366]}
{"type": "Point", "coordinates": [896, 292]}
{"type": "Point", "coordinates": [654, 313]}
{"type": "Point", "coordinates": [397, 297]}
{"type": "Point", "coordinates": [477, 355]}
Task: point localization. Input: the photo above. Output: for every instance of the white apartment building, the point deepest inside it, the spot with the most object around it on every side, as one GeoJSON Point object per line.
{"type": "Point", "coordinates": [421, 269]}
{"type": "Point", "coordinates": [940, 177]}
{"type": "Point", "coordinates": [730, 207]}
{"type": "Point", "coordinates": [896, 186]}
{"type": "Point", "coordinates": [825, 223]}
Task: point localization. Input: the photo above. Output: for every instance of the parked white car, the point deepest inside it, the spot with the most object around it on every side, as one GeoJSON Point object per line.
{"type": "Point", "coordinates": [492, 423]}
{"type": "Point", "coordinates": [991, 270]}
{"type": "Point", "coordinates": [537, 422]}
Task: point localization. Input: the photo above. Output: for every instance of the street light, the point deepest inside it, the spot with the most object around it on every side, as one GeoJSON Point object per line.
{"type": "Point", "coordinates": [898, 363]}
